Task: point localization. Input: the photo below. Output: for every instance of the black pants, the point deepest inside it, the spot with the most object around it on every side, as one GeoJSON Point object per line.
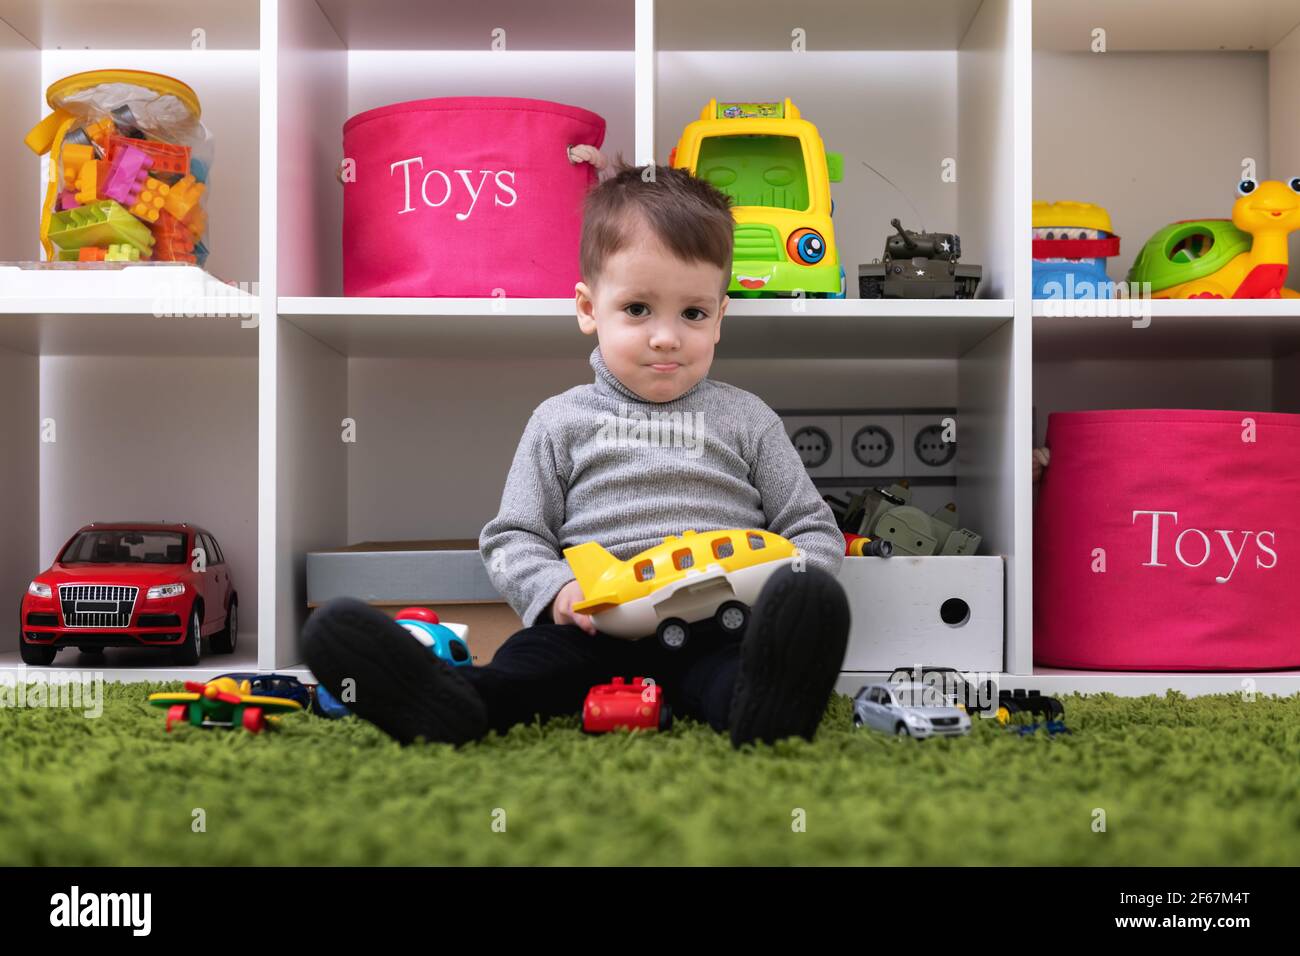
{"type": "Point", "coordinates": [546, 670]}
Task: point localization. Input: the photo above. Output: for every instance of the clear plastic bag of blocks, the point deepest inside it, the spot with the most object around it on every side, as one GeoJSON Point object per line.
{"type": "Point", "coordinates": [129, 168]}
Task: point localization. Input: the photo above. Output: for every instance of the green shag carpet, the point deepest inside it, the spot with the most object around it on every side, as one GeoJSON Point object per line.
{"type": "Point", "coordinates": [1209, 780]}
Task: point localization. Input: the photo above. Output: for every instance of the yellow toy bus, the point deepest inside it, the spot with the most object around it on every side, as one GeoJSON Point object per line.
{"type": "Point", "coordinates": [774, 166]}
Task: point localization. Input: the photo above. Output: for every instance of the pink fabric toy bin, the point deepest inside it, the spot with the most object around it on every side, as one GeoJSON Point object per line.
{"type": "Point", "coordinates": [465, 196]}
{"type": "Point", "coordinates": [1212, 584]}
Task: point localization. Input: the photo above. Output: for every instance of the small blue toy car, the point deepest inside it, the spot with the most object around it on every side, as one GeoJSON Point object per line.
{"type": "Point", "coordinates": [274, 685]}
{"type": "Point", "coordinates": [444, 640]}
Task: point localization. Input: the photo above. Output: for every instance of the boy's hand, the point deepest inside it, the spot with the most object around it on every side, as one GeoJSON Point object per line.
{"type": "Point", "coordinates": [1042, 457]}
{"type": "Point", "coordinates": [562, 608]}
{"type": "Point", "coordinates": [582, 153]}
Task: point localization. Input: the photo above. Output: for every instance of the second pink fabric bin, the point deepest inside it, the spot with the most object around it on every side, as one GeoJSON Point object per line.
{"type": "Point", "coordinates": [1168, 540]}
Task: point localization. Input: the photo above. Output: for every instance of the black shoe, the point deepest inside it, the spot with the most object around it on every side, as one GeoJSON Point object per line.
{"type": "Point", "coordinates": [791, 655]}
{"type": "Point", "coordinates": [400, 686]}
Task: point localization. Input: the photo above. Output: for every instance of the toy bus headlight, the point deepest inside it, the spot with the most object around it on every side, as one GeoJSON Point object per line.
{"type": "Point", "coordinates": [165, 591]}
{"type": "Point", "coordinates": [806, 246]}
{"type": "Point", "coordinates": [39, 589]}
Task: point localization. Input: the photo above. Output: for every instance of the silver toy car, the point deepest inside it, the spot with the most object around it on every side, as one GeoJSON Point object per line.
{"type": "Point", "coordinates": [917, 710]}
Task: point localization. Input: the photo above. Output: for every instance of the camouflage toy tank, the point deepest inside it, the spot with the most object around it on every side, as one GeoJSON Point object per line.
{"type": "Point", "coordinates": [919, 265]}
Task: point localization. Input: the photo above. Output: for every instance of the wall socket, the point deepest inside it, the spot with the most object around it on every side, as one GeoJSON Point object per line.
{"type": "Point", "coordinates": [926, 449]}
{"type": "Point", "coordinates": [873, 446]}
{"type": "Point", "coordinates": [817, 439]}
{"type": "Point", "coordinates": [877, 446]}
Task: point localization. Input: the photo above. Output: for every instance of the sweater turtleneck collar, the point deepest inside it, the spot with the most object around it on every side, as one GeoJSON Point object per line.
{"type": "Point", "coordinates": [608, 382]}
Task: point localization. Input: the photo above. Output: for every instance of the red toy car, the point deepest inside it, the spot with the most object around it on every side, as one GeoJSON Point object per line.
{"type": "Point", "coordinates": [638, 705]}
{"type": "Point", "coordinates": [132, 584]}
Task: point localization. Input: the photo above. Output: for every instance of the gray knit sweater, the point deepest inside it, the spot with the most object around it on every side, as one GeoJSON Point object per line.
{"type": "Point", "coordinates": [600, 463]}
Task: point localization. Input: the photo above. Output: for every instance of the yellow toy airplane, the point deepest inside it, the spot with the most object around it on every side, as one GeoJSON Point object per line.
{"type": "Point", "coordinates": [222, 702]}
{"type": "Point", "coordinates": [666, 588]}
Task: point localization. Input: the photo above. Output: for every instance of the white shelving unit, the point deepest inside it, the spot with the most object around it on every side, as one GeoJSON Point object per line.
{"type": "Point", "coordinates": [1159, 126]}
{"type": "Point", "coordinates": [147, 374]}
{"type": "Point", "coordinates": [966, 105]}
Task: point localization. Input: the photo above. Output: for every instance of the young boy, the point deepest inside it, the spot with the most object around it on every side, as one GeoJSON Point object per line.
{"type": "Point", "coordinates": [656, 261]}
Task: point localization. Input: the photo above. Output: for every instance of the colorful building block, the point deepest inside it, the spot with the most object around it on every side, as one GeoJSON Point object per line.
{"type": "Point", "coordinates": [74, 158]}
{"type": "Point", "coordinates": [122, 253]}
{"type": "Point", "coordinates": [88, 182]}
{"type": "Point", "coordinates": [127, 172]}
{"type": "Point", "coordinates": [68, 199]}
{"type": "Point", "coordinates": [184, 197]}
{"type": "Point", "coordinates": [104, 222]}
{"type": "Point", "coordinates": [153, 197]}
{"type": "Point", "coordinates": [172, 240]}
{"type": "Point", "coordinates": [169, 159]}
{"type": "Point", "coordinates": [197, 223]}
{"type": "Point", "coordinates": [113, 253]}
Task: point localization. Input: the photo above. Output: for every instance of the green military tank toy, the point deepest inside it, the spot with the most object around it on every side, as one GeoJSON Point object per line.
{"type": "Point", "coordinates": [919, 265]}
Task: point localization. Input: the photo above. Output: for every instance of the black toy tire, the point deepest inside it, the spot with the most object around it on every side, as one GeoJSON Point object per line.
{"type": "Point", "coordinates": [191, 651]}
{"type": "Point", "coordinates": [870, 289]}
{"type": "Point", "coordinates": [722, 612]}
{"type": "Point", "coordinates": [226, 641]}
{"type": "Point", "coordinates": [35, 653]}
{"type": "Point", "coordinates": [665, 717]}
{"type": "Point", "coordinates": [673, 622]}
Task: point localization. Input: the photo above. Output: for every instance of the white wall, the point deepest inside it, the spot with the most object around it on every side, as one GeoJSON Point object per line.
{"type": "Point", "coordinates": [149, 439]}
{"type": "Point", "coordinates": [312, 78]}
{"type": "Point", "coordinates": [1245, 385]}
{"type": "Point", "coordinates": [1284, 131]}
{"type": "Point", "coordinates": [434, 445]}
{"type": "Point", "coordinates": [19, 168]}
{"type": "Point", "coordinates": [312, 476]}
{"type": "Point", "coordinates": [20, 558]}
{"type": "Point", "coordinates": [1153, 137]}
{"type": "Point", "coordinates": [895, 111]}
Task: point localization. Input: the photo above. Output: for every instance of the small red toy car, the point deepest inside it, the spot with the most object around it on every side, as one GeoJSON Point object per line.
{"type": "Point", "coordinates": [132, 584]}
{"type": "Point", "coordinates": [639, 705]}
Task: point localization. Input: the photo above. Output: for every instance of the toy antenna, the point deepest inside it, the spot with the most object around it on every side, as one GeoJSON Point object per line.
{"type": "Point", "coordinates": [899, 191]}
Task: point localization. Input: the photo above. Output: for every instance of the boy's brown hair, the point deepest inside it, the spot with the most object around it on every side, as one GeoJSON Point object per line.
{"type": "Point", "coordinates": [690, 216]}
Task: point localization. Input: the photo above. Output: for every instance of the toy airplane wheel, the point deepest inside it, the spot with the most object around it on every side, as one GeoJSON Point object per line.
{"type": "Point", "coordinates": [254, 721]}
{"type": "Point", "coordinates": [672, 633]}
{"type": "Point", "coordinates": [732, 617]}
{"type": "Point", "coordinates": [175, 715]}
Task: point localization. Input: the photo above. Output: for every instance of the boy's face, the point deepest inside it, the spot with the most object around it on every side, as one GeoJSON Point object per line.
{"type": "Point", "coordinates": [657, 317]}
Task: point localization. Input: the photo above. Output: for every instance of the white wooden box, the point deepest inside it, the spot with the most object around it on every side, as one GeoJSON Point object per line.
{"type": "Point", "coordinates": [899, 605]}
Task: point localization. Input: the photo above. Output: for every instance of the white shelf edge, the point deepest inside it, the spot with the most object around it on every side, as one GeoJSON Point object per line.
{"type": "Point", "coordinates": [290, 306]}
{"type": "Point", "coordinates": [1164, 308]}
{"type": "Point", "coordinates": [139, 290]}
{"type": "Point", "coordinates": [1120, 683]}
